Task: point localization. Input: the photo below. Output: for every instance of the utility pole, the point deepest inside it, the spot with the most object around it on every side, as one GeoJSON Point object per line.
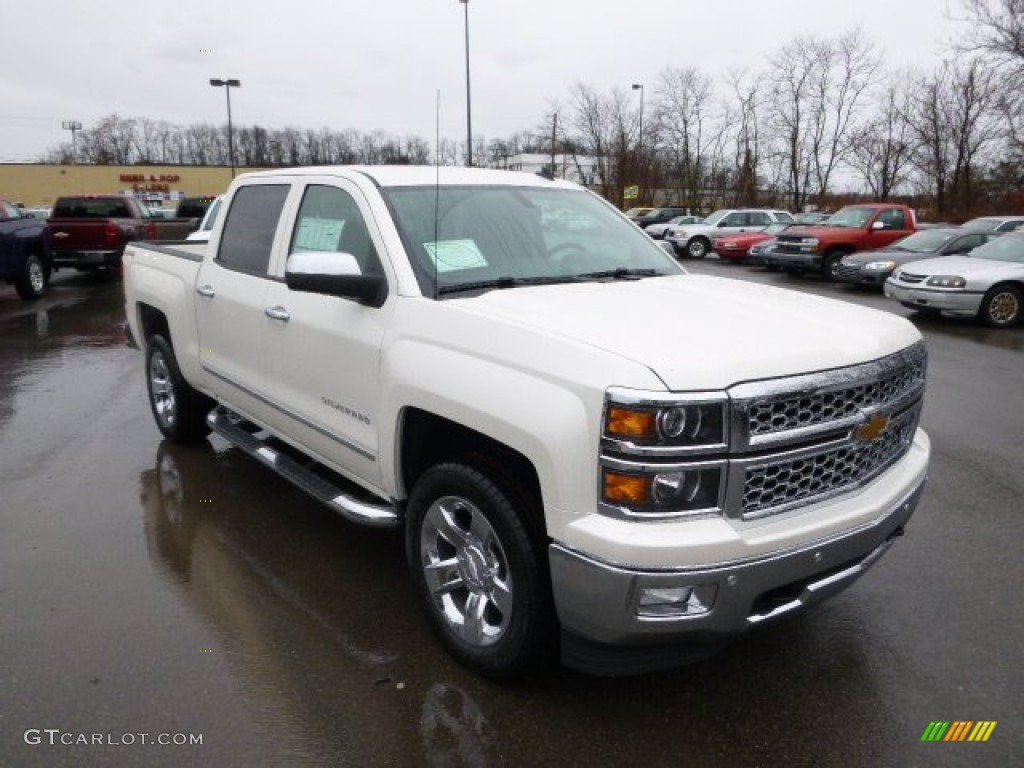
{"type": "Point", "coordinates": [554, 129]}
{"type": "Point", "coordinates": [74, 126]}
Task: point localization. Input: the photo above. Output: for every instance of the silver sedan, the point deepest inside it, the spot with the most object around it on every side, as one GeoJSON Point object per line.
{"type": "Point", "coordinates": [987, 284]}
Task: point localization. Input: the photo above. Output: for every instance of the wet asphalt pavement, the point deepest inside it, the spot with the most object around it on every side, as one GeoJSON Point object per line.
{"type": "Point", "coordinates": [147, 588]}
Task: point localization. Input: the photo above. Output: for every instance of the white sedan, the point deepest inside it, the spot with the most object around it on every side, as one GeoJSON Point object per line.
{"type": "Point", "coordinates": [987, 284]}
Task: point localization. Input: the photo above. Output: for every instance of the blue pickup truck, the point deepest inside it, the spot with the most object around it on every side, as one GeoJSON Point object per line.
{"type": "Point", "coordinates": [24, 252]}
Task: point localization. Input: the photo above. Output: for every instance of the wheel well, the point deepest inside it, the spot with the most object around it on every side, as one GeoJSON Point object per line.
{"type": "Point", "coordinates": [428, 439]}
{"type": "Point", "coordinates": [843, 250]}
{"type": "Point", "coordinates": [154, 322]}
{"type": "Point", "coordinates": [1014, 283]}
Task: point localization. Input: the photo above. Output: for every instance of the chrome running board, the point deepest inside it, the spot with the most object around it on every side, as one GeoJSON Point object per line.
{"type": "Point", "coordinates": [233, 428]}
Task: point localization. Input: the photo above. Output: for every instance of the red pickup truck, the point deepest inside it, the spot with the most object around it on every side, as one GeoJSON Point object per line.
{"type": "Point", "coordinates": [90, 232]}
{"type": "Point", "coordinates": [853, 228]}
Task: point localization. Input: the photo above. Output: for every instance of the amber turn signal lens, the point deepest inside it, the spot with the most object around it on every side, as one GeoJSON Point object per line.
{"type": "Point", "coordinates": [628, 423]}
{"type": "Point", "coordinates": [626, 489]}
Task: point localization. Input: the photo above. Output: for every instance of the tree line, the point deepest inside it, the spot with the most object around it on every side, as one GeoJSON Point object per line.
{"type": "Point", "coordinates": [824, 117]}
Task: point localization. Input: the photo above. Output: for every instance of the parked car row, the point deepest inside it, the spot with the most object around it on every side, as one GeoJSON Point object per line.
{"type": "Point", "coordinates": [974, 270]}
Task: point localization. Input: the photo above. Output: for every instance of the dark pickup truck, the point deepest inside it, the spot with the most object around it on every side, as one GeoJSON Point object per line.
{"type": "Point", "coordinates": [90, 232]}
{"type": "Point", "coordinates": [24, 255]}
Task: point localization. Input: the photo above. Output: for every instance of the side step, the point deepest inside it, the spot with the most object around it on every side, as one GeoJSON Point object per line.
{"type": "Point", "coordinates": [233, 429]}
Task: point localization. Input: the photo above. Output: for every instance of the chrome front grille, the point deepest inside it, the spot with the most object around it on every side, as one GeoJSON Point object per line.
{"type": "Point", "coordinates": [783, 413]}
{"type": "Point", "coordinates": [907, 277]}
{"type": "Point", "coordinates": [774, 486]}
{"type": "Point", "coordinates": [800, 439]}
{"type": "Point", "coordinates": [846, 270]}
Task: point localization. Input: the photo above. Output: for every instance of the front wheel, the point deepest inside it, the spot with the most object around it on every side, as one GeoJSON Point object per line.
{"type": "Point", "coordinates": [34, 278]}
{"type": "Point", "coordinates": [178, 409]}
{"type": "Point", "coordinates": [698, 248]}
{"type": "Point", "coordinates": [830, 265]}
{"type": "Point", "coordinates": [479, 569]}
{"type": "Point", "coordinates": [1001, 306]}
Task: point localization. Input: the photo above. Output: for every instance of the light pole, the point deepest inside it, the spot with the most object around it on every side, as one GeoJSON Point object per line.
{"type": "Point", "coordinates": [469, 108]}
{"type": "Point", "coordinates": [74, 126]}
{"type": "Point", "coordinates": [640, 141]}
{"type": "Point", "coordinates": [228, 85]}
{"type": "Point", "coordinates": [640, 138]}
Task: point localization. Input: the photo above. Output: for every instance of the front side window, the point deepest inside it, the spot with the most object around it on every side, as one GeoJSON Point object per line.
{"type": "Point", "coordinates": [736, 219]}
{"type": "Point", "coordinates": [851, 218]}
{"type": "Point", "coordinates": [329, 220]}
{"type": "Point", "coordinates": [892, 218]}
{"type": "Point", "coordinates": [457, 236]}
{"type": "Point", "coordinates": [248, 235]}
{"type": "Point", "coordinates": [1005, 248]}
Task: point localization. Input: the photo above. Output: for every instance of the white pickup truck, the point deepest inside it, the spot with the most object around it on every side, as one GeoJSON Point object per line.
{"type": "Point", "coordinates": [589, 450]}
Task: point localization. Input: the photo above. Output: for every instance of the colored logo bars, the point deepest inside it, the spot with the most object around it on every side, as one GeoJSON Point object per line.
{"type": "Point", "coordinates": [959, 730]}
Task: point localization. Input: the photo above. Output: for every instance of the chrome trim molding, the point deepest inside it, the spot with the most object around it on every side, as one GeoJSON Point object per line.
{"type": "Point", "coordinates": [364, 452]}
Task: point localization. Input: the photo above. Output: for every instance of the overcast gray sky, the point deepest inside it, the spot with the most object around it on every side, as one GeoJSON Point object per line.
{"type": "Point", "coordinates": [378, 65]}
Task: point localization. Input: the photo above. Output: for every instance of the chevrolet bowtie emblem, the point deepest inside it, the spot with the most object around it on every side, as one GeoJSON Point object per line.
{"type": "Point", "coordinates": [871, 429]}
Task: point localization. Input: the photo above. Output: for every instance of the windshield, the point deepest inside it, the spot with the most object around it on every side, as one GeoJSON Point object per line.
{"type": "Point", "coordinates": [928, 241]}
{"type": "Point", "coordinates": [1005, 248]}
{"type": "Point", "coordinates": [470, 235]}
{"type": "Point", "coordinates": [211, 215]}
{"type": "Point", "coordinates": [983, 225]}
{"type": "Point", "coordinates": [851, 218]}
{"type": "Point", "coordinates": [715, 217]}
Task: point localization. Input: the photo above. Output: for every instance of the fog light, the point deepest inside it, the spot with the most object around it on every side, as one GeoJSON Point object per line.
{"type": "Point", "coordinates": [676, 601]}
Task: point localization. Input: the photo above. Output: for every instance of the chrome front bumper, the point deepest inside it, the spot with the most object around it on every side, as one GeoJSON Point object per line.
{"type": "Point", "coordinates": [960, 303]}
{"type": "Point", "coordinates": [599, 602]}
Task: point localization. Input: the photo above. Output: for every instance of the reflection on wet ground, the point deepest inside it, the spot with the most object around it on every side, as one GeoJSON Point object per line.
{"type": "Point", "coordinates": [152, 587]}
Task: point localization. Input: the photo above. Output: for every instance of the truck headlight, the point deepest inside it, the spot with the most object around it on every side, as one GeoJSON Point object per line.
{"type": "Point", "coordinates": [653, 491]}
{"type": "Point", "coordinates": [880, 266]}
{"type": "Point", "coordinates": [683, 424]}
{"type": "Point", "coordinates": [946, 281]}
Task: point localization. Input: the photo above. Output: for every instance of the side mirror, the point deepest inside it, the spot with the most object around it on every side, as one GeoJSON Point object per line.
{"type": "Point", "coordinates": [878, 225]}
{"type": "Point", "coordinates": [334, 273]}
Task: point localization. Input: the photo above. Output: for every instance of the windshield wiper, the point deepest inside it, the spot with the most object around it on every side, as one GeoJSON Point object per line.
{"type": "Point", "coordinates": [507, 282]}
{"type": "Point", "coordinates": [622, 273]}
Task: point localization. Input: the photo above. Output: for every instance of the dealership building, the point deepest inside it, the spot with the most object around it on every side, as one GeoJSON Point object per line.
{"type": "Point", "coordinates": [37, 185]}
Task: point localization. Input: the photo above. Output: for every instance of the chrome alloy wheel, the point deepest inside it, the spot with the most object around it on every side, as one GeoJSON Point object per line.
{"type": "Point", "coordinates": [1004, 308]}
{"type": "Point", "coordinates": [466, 571]}
{"type": "Point", "coordinates": [36, 277]}
{"type": "Point", "coordinates": [160, 386]}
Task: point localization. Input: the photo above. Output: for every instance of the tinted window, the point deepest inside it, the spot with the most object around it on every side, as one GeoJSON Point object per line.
{"type": "Point", "coordinates": [249, 230]}
{"type": "Point", "coordinates": [329, 220]}
{"type": "Point", "coordinates": [734, 220]}
{"type": "Point", "coordinates": [92, 208]}
{"type": "Point", "coordinates": [892, 218]}
{"type": "Point", "coordinates": [758, 219]}
{"type": "Point", "coordinates": [1010, 226]}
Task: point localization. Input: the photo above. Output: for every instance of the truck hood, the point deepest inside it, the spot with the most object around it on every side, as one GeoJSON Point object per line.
{"type": "Point", "coordinates": [814, 231]}
{"type": "Point", "coordinates": [696, 332]}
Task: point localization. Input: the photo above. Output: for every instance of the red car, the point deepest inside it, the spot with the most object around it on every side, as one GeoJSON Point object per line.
{"type": "Point", "coordinates": [738, 246]}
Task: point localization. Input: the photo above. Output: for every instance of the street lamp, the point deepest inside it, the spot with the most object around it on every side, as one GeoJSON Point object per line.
{"type": "Point", "coordinates": [469, 109]}
{"type": "Point", "coordinates": [228, 85]}
{"type": "Point", "coordinates": [74, 126]}
{"type": "Point", "coordinates": [640, 141]}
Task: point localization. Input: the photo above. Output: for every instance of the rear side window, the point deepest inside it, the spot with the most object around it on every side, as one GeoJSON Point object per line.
{"type": "Point", "coordinates": [248, 234]}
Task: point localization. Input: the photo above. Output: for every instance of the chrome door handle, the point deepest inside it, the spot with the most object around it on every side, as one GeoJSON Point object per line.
{"type": "Point", "coordinates": [206, 290]}
{"type": "Point", "coordinates": [277, 312]}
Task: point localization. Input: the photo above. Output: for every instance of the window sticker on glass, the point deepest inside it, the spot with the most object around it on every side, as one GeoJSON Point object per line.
{"type": "Point", "coordinates": [452, 255]}
{"type": "Point", "coordinates": [318, 234]}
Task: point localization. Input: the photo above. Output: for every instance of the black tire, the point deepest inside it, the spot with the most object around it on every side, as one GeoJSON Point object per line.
{"type": "Point", "coordinates": [1001, 307]}
{"type": "Point", "coordinates": [830, 265]}
{"type": "Point", "coordinates": [34, 278]}
{"type": "Point", "coordinates": [496, 572]}
{"type": "Point", "coordinates": [698, 247]}
{"type": "Point", "coordinates": [178, 409]}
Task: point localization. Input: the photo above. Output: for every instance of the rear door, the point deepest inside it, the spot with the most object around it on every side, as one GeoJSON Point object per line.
{"type": "Point", "coordinates": [231, 290]}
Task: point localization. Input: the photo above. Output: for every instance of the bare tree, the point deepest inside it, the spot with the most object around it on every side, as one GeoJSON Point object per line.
{"type": "Point", "coordinates": [954, 119]}
{"type": "Point", "coordinates": [880, 150]}
{"type": "Point", "coordinates": [791, 75]}
{"type": "Point", "coordinates": [682, 123]}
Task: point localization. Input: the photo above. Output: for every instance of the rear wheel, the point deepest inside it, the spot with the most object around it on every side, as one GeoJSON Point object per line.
{"type": "Point", "coordinates": [178, 409]}
{"type": "Point", "coordinates": [34, 278]}
{"type": "Point", "coordinates": [479, 569]}
{"type": "Point", "coordinates": [1001, 307]}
